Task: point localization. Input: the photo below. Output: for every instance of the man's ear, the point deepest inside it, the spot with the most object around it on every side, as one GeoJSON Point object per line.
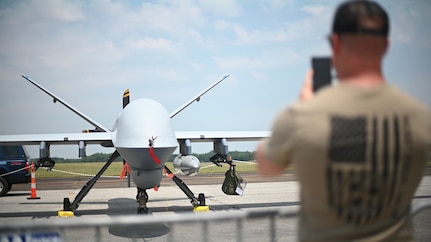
{"type": "Point", "coordinates": [336, 44]}
{"type": "Point", "coordinates": [388, 42]}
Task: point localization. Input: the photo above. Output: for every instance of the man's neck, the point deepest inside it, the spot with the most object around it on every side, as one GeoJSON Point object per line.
{"type": "Point", "coordinates": [363, 74]}
{"type": "Point", "coordinates": [363, 79]}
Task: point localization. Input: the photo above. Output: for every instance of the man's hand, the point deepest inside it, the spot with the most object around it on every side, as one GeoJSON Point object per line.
{"type": "Point", "coordinates": [266, 167]}
{"type": "Point", "coordinates": [307, 90]}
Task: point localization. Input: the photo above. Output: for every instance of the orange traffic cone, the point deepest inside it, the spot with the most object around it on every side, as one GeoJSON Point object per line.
{"type": "Point", "coordinates": [33, 183]}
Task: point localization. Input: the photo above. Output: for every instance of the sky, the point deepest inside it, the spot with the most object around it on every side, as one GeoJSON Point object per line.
{"type": "Point", "coordinates": [89, 52]}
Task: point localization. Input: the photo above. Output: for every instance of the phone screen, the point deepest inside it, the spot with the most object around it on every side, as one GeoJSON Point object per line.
{"type": "Point", "coordinates": [322, 72]}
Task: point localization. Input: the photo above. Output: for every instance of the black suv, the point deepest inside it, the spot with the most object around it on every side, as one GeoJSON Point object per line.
{"type": "Point", "coordinates": [14, 169]}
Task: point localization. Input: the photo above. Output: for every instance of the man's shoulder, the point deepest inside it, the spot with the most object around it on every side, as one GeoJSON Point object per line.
{"type": "Point", "coordinates": [407, 99]}
{"type": "Point", "coordinates": [349, 98]}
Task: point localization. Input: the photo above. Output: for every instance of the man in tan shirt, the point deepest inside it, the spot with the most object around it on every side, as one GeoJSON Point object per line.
{"type": "Point", "coordinates": [359, 147]}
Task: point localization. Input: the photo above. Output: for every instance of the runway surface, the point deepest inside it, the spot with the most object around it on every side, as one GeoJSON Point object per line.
{"type": "Point", "coordinates": [105, 202]}
{"type": "Point", "coordinates": [200, 179]}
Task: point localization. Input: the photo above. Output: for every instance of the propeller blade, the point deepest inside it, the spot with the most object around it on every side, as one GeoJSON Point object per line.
{"type": "Point", "coordinates": [126, 98]}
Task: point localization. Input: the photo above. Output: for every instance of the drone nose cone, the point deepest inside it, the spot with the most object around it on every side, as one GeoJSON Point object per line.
{"type": "Point", "coordinates": [142, 120]}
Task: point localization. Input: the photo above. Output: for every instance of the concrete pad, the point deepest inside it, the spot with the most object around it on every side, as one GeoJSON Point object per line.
{"type": "Point", "coordinates": [108, 202]}
{"type": "Point", "coordinates": [167, 199]}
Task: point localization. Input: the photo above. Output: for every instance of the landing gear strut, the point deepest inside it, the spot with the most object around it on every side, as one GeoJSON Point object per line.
{"type": "Point", "coordinates": [142, 199]}
{"type": "Point", "coordinates": [197, 202]}
{"type": "Point", "coordinates": [142, 196]}
{"type": "Point", "coordinates": [70, 208]}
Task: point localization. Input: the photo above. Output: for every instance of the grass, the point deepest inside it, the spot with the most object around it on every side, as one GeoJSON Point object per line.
{"type": "Point", "coordinates": [70, 170]}
{"type": "Point", "coordinates": [91, 168]}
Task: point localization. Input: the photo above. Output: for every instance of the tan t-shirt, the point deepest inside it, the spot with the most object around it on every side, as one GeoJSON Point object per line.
{"type": "Point", "coordinates": [359, 154]}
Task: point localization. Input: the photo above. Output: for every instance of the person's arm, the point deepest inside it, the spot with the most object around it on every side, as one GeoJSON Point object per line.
{"type": "Point", "coordinates": [265, 166]}
{"type": "Point", "coordinates": [273, 155]}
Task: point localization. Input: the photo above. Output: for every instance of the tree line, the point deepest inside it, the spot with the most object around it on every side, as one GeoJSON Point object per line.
{"type": "Point", "coordinates": [100, 157]}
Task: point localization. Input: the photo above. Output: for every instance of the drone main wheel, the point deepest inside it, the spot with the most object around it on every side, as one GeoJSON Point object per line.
{"type": "Point", "coordinates": [142, 210]}
{"type": "Point", "coordinates": [66, 204]}
{"type": "Point", "coordinates": [201, 199]}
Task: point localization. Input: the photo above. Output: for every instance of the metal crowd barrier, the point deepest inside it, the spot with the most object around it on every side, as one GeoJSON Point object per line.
{"type": "Point", "coordinates": [55, 229]}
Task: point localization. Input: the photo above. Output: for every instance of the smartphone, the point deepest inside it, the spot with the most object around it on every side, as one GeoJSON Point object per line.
{"type": "Point", "coordinates": [322, 72]}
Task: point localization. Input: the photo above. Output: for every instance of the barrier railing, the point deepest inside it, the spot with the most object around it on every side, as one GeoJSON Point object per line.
{"type": "Point", "coordinates": [56, 229]}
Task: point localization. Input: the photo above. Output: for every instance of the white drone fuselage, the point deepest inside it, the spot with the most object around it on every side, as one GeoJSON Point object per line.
{"type": "Point", "coordinates": [144, 123]}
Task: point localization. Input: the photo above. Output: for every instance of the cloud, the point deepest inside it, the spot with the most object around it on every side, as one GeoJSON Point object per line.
{"type": "Point", "coordinates": [266, 60]}
{"type": "Point", "coordinates": [277, 4]}
{"type": "Point", "coordinates": [312, 20]}
{"type": "Point", "coordinates": [88, 52]}
{"type": "Point", "coordinates": [225, 8]}
{"type": "Point", "coordinates": [315, 9]}
{"type": "Point", "coordinates": [245, 36]}
{"type": "Point", "coordinates": [42, 12]}
{"type": "Point", "coordinates": [151, 44]}
{"type": "Point", "coordinates": [409, 22]}
{"type": "Point", "coordinates": [171, 17]}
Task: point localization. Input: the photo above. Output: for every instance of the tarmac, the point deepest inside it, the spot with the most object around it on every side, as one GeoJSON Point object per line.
{"type": "Point", "coordinates": [103, 203]}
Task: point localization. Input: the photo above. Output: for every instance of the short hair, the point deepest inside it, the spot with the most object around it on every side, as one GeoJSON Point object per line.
{"type": "Point", "coordinates": [361, 17]}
